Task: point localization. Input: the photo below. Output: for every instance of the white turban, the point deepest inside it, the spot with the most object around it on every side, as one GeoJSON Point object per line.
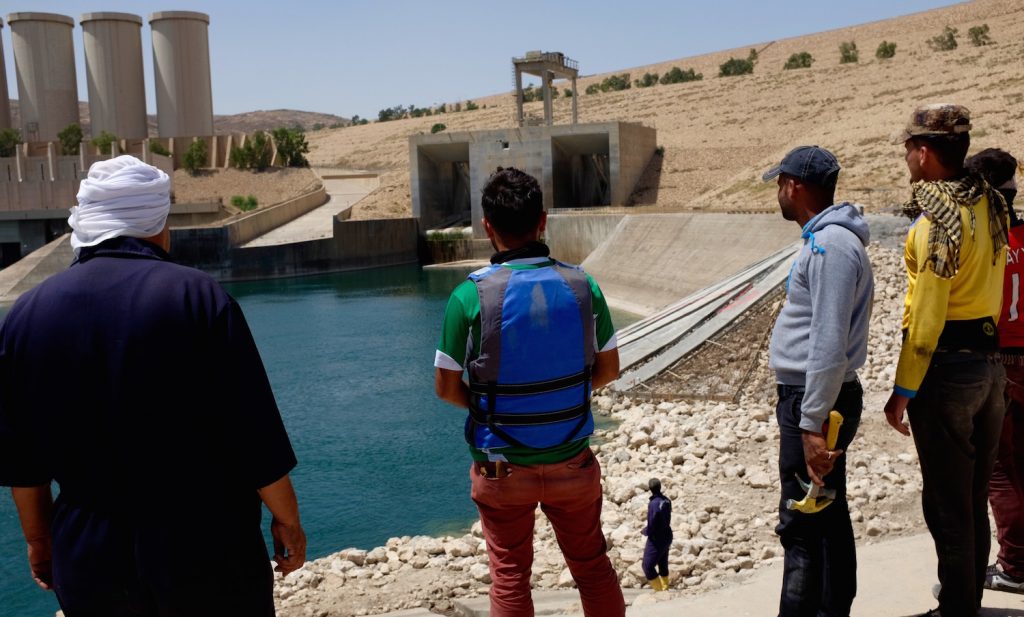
{"type": "Point", "coordinates": [120, 197]}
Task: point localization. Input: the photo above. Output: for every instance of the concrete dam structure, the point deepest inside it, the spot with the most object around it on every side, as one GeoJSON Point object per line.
{"type": "Point", "coordinates": [44, 60]}
{"type": "Point", "coordinates": [113, 69]}
{"type": "Point", "coordinates": [577, 165]}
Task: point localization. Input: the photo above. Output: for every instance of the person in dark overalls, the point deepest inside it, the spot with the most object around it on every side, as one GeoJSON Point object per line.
{"type": "Point", "coordinates": [659, 537]}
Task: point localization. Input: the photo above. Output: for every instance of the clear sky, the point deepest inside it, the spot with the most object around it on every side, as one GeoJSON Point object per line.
{"type": "Point", "coordinates": [350, 58]}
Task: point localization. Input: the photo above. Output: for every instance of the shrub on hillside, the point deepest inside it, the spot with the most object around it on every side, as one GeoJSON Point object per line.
{"type": "Point", "coordinates": [848, 52]}
{"type": "Point", "coordinates": [531, 94]}
{"type": "Point", "coordinates": [979, 35]}
{"type": "Point", "coordinates": [802, 60]}
{"type": "Point", "coordinates": [104, 141]}
{"type": "Point", "coordinates": [678, 76]}
{"type": "Point", "coordinates": [738, 66]}
{"type": "Point", "coordinates": [470, 106]}
{"type": "Point", "coordinates": [9, 141]}
{"type": "Point", "coordinates": [648, 80]}
{"type": "Point", "coordinates": [735, 66]}
{"type": "Point", "coordinates": [568, 93]}
{"type": "Point", "coordinates": [885, 50]}
{"type": "Point", "coordinates": [255, 154]}
{"type": "Point", "coordinates": [614, 83]}
{"type": "Point", "coordinates": [291, 147]}
{"type": "Point", "coordinates": [70, 139]}
{"type": "Point", "coordinates": [195, 157]}
{"type": "Point", "coordinates": [437, 128]}
{"type": "Point", "coordinates": [945, 41]}
{"type": "Point", "coordinates": [593, 89]}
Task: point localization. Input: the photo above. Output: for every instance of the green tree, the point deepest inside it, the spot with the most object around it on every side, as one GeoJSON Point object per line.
{"type": "Point", "coordinates": [470, 106]}
{"type": "Point", "coordinates": [195, 157]}
{"type": "Point", "coordinates": [9, 141]}
{"type": "Point", "coordinates": [735, 66]}
{"type": "Point", "coordinates": [802, 60]}
{"type": "Point", "coordinates": [648, 80]}
{"type": "Point", "coordinates": [255, 154]}
{"type": "Point", "coordinates": [437, 128]}
{"type": "Point", "coordinates": [158, 148]}
{"type": "Point", "coordinates": [677, 76]}
{"type": "Point", "coordinates": [885, 50]}
{"type": "Point", "coordinates": [614, 83]}
{"type": "Point", "coordinates": [979, 35]}
{"type": "Point", "coordinates": [848, 52]}
{"type": "Point", "coordinates": [103, 141]}
{"type": "Point", "coordinates": [291, 147]}
{"type": "Point", "coordinates": [945, 41]}
{"type": "Point", "coordinates": [568, 93]}
{"type": "Point", "coordinates": [70, 139]}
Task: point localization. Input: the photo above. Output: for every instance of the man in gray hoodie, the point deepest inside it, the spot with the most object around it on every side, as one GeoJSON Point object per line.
{"type": "Point", "coordinates": [818, 343]}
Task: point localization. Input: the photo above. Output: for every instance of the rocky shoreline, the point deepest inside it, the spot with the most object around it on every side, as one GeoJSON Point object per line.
{"type": "Point", "coordinates": [717, 462]}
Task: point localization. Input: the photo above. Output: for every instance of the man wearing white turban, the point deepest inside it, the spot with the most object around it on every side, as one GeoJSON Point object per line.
{"type": "Point", "coordinates": [135, 384]}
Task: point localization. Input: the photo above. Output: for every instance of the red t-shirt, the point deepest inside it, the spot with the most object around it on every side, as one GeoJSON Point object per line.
{"type": "Point", "coordinates": [1011, 322]}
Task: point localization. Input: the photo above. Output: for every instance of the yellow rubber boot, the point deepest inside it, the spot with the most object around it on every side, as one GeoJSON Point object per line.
{"type": "Point", "coordinates": [656, 584]}
{"type": "Point", "coordinates": [664, 583]}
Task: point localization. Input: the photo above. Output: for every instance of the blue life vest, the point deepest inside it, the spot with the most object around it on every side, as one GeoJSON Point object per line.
{"type": "Point", "coordinates": [530, 382]}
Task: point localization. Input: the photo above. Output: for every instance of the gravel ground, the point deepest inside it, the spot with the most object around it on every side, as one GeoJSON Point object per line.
{"type": "Point", "coordinates": [718, 463]}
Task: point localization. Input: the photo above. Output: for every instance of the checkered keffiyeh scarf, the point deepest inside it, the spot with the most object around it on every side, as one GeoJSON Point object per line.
{"type": "Point", "coordinates": [941, 201]}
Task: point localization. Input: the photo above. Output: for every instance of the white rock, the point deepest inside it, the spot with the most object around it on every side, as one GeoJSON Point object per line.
{"type": "Point", "coordinates": [480, 573]}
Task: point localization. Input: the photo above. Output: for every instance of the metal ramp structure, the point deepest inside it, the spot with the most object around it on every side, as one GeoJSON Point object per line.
{"type": "Point", "coordinates": [652, 345]}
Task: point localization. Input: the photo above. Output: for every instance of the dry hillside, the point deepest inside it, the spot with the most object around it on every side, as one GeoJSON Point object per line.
{"type": "Point", "coordinates": [235, 123]}
{"type": "Point", "coordinates": [720, 133]}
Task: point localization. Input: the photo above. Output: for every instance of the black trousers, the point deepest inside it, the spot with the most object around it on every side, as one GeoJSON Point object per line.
{"type": "Point", "coordinates": [956, 419]}
{"type": "Point", "coordinates": [108, 566]}
{"type": "Point", "coordinates": [820, 566]}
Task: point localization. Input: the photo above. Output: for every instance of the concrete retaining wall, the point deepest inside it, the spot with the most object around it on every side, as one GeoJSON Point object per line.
{"type": "Point", "coordinates": [573, 237]}
{"type": "Point", "coordinates": [652, 260]}
{"type": "Point", "coordinates": [254, 225]}
{"type": "Point", "coordinates": [356, 245]}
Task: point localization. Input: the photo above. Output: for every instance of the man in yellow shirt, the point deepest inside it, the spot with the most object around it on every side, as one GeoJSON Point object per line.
{"type": "Point", "coordinates": [949, 380]}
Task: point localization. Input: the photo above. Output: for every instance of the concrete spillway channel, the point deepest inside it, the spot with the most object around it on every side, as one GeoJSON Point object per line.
{"type": "Point", "coordinates": [652, 345]}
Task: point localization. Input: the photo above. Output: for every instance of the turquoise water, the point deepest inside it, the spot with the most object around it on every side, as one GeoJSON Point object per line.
{"type": "Point", "coordinates": [350, 358]}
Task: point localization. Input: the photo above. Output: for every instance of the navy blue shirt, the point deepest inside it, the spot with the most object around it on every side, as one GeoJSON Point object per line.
{"type": "Point", "coordinates": [135, 384]}
{"type": "Point", "coordinates": [659, 519]}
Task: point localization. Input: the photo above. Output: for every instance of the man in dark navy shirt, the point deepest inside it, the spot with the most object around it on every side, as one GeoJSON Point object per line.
{"type": "Point", "coordinates": [659, 537]}
{"type": "Point", "coordinates": [135, 384]}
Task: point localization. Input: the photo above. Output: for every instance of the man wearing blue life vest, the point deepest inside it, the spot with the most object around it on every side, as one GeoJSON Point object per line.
{"type": "Point", "coordinates": [535, 336]}
{"type": "Point", "coordinates": [818, 343]}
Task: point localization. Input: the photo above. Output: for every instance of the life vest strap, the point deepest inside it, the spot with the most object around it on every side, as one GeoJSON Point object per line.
{"type": "Point", "coordinates": [527, 419]}
{"type": "Point", "coordinates": [536, 387]}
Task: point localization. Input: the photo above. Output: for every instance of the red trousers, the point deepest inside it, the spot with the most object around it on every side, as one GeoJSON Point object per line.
{"type": "Point", "coordinates": [1006, 488]}
{"type": "Point", "coordinates": [569, 494]}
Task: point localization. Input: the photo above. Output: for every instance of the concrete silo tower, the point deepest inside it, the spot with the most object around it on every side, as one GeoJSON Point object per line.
{"type": "Point", "coordinates": [5, 98]}
{"type": "Point", "coordinates": [113, 70]}
{"type": "Point", "coordinates": [181, 69]}
{"type": "Point", "coordinates": [44, 60]}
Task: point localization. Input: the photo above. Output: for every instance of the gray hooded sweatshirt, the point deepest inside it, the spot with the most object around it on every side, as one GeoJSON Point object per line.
{"type": "Point", "coordinates": [820, 338]}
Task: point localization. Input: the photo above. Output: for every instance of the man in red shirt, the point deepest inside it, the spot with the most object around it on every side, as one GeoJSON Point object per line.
{"type": "Point", "coordinates": [1006, 487]}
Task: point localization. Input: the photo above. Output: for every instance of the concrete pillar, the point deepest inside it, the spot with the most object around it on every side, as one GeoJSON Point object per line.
{"type": "Point", "coordinates": [113, 69]}
{"type": "Point", "coordinates": [44, 60]}
{"type": "Point", "coordinates": [546, 77]}
{"type": "Point", "coordinates": [574, 97]}
{"type": "Point", "coordinates": [5, 97]}
{"type": "Point", "coordinates": [181, 69]}
{"type": "Point", "coordinates": [519, 96]}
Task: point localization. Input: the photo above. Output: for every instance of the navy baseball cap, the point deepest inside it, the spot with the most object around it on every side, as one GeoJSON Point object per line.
{"type": "Point", "coordinates": [811, 164]}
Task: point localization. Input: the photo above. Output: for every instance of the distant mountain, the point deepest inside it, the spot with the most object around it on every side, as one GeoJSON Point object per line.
{"type": "Point", "coordinates": [236, 123]}
{"type": "Point", "coordinates": [276, 118]}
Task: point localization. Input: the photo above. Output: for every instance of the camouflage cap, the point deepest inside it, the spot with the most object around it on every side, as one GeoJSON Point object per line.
{"type": "Point", "coordinates": [935, 119]}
